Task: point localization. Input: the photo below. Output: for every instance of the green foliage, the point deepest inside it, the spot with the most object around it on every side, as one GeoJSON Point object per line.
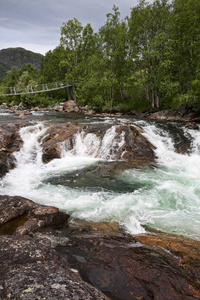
{"type": "Point", "coordinates": [149, 60]}
{"type": "Point", "coordinates": [53, 68]}
{"type": "Point", "coordinates": [35, 100]}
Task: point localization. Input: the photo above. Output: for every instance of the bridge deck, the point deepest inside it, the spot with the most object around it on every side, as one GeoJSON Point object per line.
{"type": "Point", "coordinates": [34, 89]}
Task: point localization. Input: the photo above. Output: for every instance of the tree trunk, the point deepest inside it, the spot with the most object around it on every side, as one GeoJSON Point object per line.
{"type": "Point", "coordinates": [153, 100]}
{"type": "Point", "coordinates": [68, 94]}
{"type": "Point", "coordinates": [157, 101]}
{"type": "Point", "coordinates": [74, 92]}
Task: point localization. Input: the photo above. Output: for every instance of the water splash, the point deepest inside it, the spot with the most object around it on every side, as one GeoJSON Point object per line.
{"type": "Point", "coordinates": [165, 196]}
{"type": "Point", "coordinates": [92, 145]}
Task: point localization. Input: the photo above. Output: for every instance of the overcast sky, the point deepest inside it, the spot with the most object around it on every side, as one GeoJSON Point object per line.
{"type": "Point", "coordinates": [35, 24]}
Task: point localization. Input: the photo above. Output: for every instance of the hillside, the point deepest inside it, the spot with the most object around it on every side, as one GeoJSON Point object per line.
{"type": "Point", "coordinates": [17, 57]}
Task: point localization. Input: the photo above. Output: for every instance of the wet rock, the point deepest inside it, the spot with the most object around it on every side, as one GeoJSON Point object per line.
{"type": "Point", "coordinates": [124, 268]}
{"type": "Point", "coordinates": [7, 162]}
{"type": "Point", "coordinates": [43, 216]}
{"type": "Point", "coordinates": [22, 116]}
{"type": "Point", "coordinates": [55, 135]}
{"type": "Point", "coordinates": [186, 251]}
{"type": "Point", "coordinates": [35, 216]}
{"type": "Point", "coordinates": [45, 261]}
{"type": "Point", "coordinates": [102, 175]}
{"type": "Point", "coordinates": [14, 207]}
{"type": "Point", "coordinates": [10, 139]}
{"type": "Point", "coordinates": [30, 268]}
{"type": "Point", "coordinates": [172, 115]}
{"type": "Point", "coordinates": [134, 147]}
{"type": "Point", "coordinates": [51, 151]}
{"type": "Point", "coordinates": [191, 125]}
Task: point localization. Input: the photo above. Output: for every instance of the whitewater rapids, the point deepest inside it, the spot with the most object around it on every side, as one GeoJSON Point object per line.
{"type": "Point", "coordinates": [164, 196]}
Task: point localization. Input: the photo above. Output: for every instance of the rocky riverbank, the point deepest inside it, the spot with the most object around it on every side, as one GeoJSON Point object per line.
{"type": "Point", "coordinates": [42, 256]}
{"type": "Point", "coordinates": [65, 106]}
{"type": "Point", "coordinates": [173, 115]}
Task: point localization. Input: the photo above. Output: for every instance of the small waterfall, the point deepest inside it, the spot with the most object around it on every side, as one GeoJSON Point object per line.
{"type": "Point", "coordinates": [193, 135]}
{"type": "Point", "coordinates": [31, 151]}
{"type": "Point", "coordinates": [165, 196]}
{"type": "Point", "coordinates": [90, 144]}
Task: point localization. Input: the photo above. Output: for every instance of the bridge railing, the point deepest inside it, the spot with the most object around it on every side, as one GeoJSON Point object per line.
{"type": "Point", "coordinates": [33, 89]}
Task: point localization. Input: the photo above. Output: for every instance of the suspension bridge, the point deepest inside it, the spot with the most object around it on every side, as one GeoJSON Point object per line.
{"type": "Point", "coordinates": [33, 89]}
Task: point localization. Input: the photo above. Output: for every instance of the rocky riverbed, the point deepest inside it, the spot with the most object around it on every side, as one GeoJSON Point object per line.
{"type": "Point", "coordinates": [43, 257]}
{"type": "Point", "coordinates": [134, 147]}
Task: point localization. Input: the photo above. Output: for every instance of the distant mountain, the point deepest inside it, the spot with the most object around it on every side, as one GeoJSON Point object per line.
{"type": "Point", "coordinates": [18, 57]}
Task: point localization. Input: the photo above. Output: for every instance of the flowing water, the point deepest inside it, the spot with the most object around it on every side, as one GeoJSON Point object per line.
{"type": "Point", "coordinates": [89, 184]}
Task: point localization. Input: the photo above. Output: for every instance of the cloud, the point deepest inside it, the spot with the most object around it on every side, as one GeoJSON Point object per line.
{"type": "Point", "coordinates": [35, 25]}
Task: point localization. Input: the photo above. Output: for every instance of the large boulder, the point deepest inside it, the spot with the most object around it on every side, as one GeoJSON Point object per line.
{"type": "Point", "coordinates": [9, 137]}
{"type": "Point", "coordinates": [120, 142]}
{"type": "Point", "coordinates": [7, 162]}
{"type": "Point", "coordinates": [174, 115]}
{"type": "Point", "coordinates": [55, 134]}
{"type": "Point", "coordinates": [69, 105]}
{"type": "Point", "coordinates": [10, 141]}
{"type": "Point", "coordinates": [21, 215]}
{"type": "Point", "coordinates": [127, 267]}
{"type": "Point", "coordinates": [30, 267]}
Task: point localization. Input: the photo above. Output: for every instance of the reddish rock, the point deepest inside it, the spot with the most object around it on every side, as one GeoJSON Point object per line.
{"type": "Point", "coordinates": [44, 216]}
{"type": "Point", "coordinates": [24, 215]}
{"type": "Point", "coordinates": [69, 105]}
{"type": "Point", "coordinates": [56, 134]}
{"type": "Point", "coordinates": [10, 141]}
{"type": "Point", "coordinates": [22, 116]}
{"type": "Point", "coordinates": [9, 137]}
{"type": "Point", "coordinates": [136, 148]}
{"type": "Point", "coordinates": [125, 268]}
{"type": "Point", "coordinates": [191, 125]}
{"type": "Point", "coordinates": [14, 207]}
{"type": "Point", "coordinates": [46, 262]}
{"type": "Point", "coordinates": [174, 115]}
{"type": "Point", "coordinates": [186, 250]}
{"type": "Point", "coordinates": [7, 162]}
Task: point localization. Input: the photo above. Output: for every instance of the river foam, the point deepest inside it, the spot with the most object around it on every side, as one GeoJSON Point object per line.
{"type": "Point", "coordinates": [165, 196]}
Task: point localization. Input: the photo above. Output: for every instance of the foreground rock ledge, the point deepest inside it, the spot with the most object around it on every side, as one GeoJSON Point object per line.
{"type": "Point", "coordinates": [45, 258]}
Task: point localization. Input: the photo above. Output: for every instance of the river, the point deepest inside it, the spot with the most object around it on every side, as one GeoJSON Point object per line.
{"type": "Point", "coordinates": [162, 196]}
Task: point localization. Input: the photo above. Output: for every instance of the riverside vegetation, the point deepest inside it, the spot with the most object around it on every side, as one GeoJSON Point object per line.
{"type": "Point", "coordinates": [146, 61]}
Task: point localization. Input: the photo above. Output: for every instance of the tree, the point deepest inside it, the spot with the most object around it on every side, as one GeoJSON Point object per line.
{"type": "Point", "coordinates": [89, 46]}
{"type": "Point", "coordinates": [150, 50]}
{"type": "Point", "coordinates": [113, 36]}
{"type": "Point", "coordinates": [31, 69]}
{"type": "Point", "coordinates": [71, 39]}
{"type": "Point", "coordinates": [185, 41]}
{"type": "Point", "coordinates": [52, 68]}
{"type": "Point", "coordinates": [12, 77]}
